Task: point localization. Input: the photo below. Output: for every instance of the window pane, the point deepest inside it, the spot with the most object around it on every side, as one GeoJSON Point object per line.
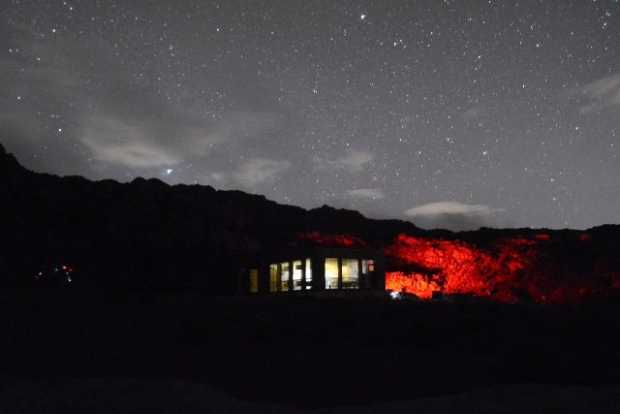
{"type": "Point", "coordinates": [273, 278]}
{"type": "Point", "coordinates": [350, 274]}
{"type": "Point", "coordinates": [285, 275]}
{"type": "Point", "coordinates": [331, 273]}
{"type": "Point", "coordinates": [308, 274]}
{"type": "Point", "coordinates": [253, 280]}
{"type": "Point", "coordinates": [297, 274]}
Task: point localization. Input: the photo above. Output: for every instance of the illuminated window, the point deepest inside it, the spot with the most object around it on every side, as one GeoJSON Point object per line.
{"type": "Point", "coordinates": [308, 274]}
{"type": "Point", "coordinates": [253, 280]}
{"type": "Point", "coordinates": [273, 278]}
{"type": "Point", "coordinates": [331, 273]}
{"type": "Point", "coordinates": [298, 269]}
{"type": "Point", "coordinates": [350, 274]}
{"type": "Point", "coordinates": [368, 266]}
{"type": "Point", "coordinates": [284, 286]}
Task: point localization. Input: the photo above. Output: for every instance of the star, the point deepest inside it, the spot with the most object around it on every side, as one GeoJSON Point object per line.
{"type": "Point", "coordinates": [454, 103]}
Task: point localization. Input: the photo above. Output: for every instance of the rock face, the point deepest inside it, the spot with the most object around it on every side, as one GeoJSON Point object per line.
{"type": "Point", "coordinates": [147, 234]}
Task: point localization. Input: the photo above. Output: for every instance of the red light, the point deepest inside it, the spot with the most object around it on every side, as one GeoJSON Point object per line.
{"type": "Point", "coordinates": [585, 237]}
{"type": "Point", "coordinates": [334, 240]}
{"type": "Point", "coordinates": [508, 269]}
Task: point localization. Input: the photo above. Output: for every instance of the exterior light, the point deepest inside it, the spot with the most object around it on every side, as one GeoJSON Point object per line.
{"type": "Point", "coordinates": [396, 295]}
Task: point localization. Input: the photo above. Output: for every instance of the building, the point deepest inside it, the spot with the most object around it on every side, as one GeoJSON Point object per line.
{"type": "Point", "coordinates": [316, 269]}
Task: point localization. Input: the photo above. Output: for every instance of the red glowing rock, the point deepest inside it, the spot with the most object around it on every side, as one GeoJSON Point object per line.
{"type": "Point", "coordinates": [543, 236]}
{"type": "Point", "coordinates": [535, 268]}
{"type": "Point", "coordinates": [510, 270]}
{"type": "Point", "coordinates": [332, 240]}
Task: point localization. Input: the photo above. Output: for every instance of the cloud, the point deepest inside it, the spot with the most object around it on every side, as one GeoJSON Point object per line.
{"type": "Point", "coordinates": [600, 94]}
{"type": "Point", "coordinates": [453, 215]}
{"type": "Point", "coordinates": [371, 193]}
{"type": "Point", "coordinates": [106, 114]}
{"type": "Point", "coordinates": [145, 142]}
{"type": "Point", "coordinates": [117, 142]}
{"type": "Point", "coordinates": [448, 207]}
{"type": "Point", "coordinates": [257, 171]}
{"type": "Point", "coordinates": [353, 161]}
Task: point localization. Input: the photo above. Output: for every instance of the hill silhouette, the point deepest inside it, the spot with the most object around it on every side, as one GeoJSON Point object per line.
{"type": "Point", "coordinates": [60, 231]}
{"type": "Point", "coordinates": [147, 234]}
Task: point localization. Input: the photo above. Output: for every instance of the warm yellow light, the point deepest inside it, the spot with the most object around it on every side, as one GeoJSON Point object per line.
{"type": "Point", "coordinates": [284, 285]}
{"type": "Point", "coordinates": [350, 274]}
{"type": "Point", "coordinates": [273, 278]}
{"type": "Point", "coordinates": [331, 273]}
{"type": "Point", "coordinates": [253, 280]}
{"type": "Point", "coordinates": [297, 274]}
{"type": "Point", "coordinates": [308, 274]}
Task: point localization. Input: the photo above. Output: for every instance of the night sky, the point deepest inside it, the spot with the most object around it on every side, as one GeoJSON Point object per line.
{"type": "Point", "coordinates": [447, 113]}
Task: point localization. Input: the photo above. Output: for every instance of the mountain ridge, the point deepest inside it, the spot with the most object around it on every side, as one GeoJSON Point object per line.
{"type": "Point", "coordinates": [148, 234]}
{"type": "Point", "coordinates": [80, 219]}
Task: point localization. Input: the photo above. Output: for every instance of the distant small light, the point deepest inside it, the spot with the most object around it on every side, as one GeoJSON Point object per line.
{"type": "Point", "coordinates": [53, 30]}
{"type": "Point", "coordinates": [60, 130]}
{"type": "Point", "coordinates": [363, 16]}
{"type": "Point", "coordinates": [169, 171]}
{"type": "Point", "coordinates": [396, 295]}
{"type": "Point", "coordinates": [19, 98]}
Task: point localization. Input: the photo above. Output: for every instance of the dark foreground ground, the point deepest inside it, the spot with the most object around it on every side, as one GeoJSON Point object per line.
{"type": "Point", "coordinates": [86, 350]}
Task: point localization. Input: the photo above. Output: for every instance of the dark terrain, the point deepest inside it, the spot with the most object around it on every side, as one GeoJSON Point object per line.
{"type": "Point", "coordinates": [150, 300]}
{"type": "Point", "coordinates": [149, 235]}
{"type": "Point", "coordinates": [307, 353]}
